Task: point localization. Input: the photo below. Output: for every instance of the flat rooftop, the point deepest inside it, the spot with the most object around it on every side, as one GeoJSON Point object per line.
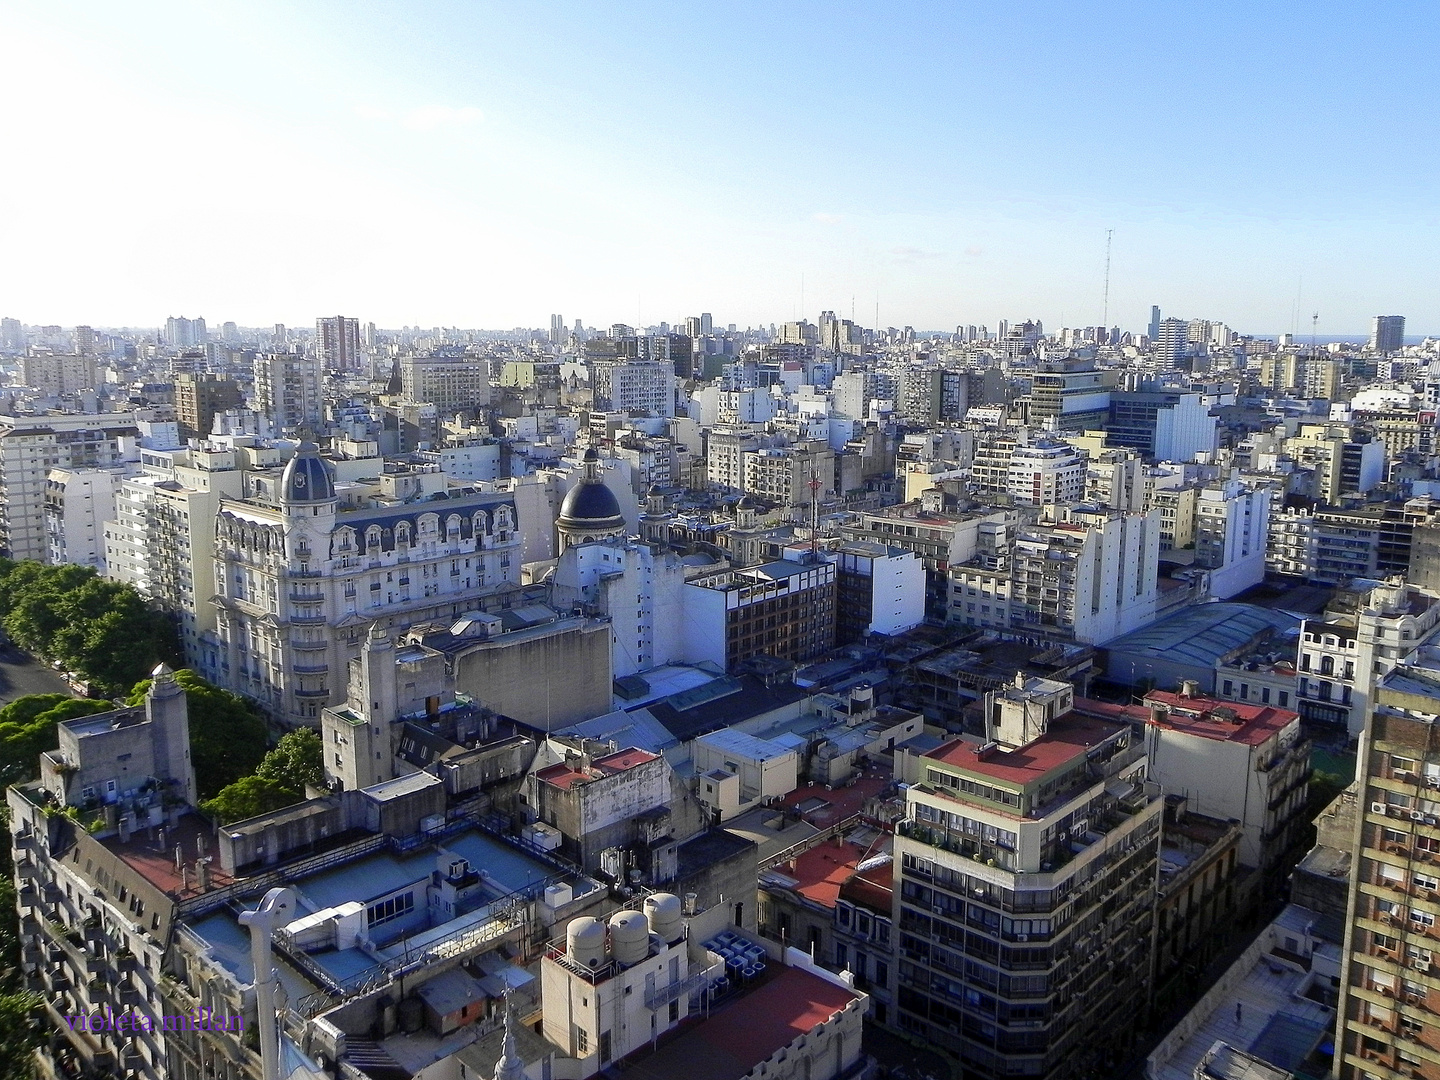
{"type": "Point", "coordinates": [156, 864]}
{"type": "Point", "coordinates": [1069, 737]}
{"type": "Point", "coordinates": [566, 776]}
{"type": "Point", "coordinates": [738, 1037]}
{"type": "Point", "coordinates": [1210, 718]}
{"type": "Point", "coordinates": [818, 874]}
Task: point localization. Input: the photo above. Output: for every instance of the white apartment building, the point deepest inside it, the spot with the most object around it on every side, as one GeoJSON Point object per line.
{"type": "Point", "coordinates": [161, 538]}
{"type": "Point", "coordinates": [725, 450]}
{"type": "Point", "coordinates": [784, 475]}
{"type": "Point", "coordinates": [78, 502]}
{"type": "Point", "coordinates": [639, 587]}
{"type": "Point", "coordinates": [31, 446]}
{"type": "Point", "coordinates": [1044, 472]}
{"type": "Point", "coordinates": [1117, 479]}
{"type": "Point", "coordinates": [644, 386]}
{"type": "Point", "coordinates": [1232, 522]}
{"type": "Point", "coordinates": [1362, 636]}
{"type": "Point", "coordinates": [1085, 575]}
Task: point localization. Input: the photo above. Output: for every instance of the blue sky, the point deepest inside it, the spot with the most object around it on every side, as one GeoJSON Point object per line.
{"type": "Point", "coordinates": [481, 164]}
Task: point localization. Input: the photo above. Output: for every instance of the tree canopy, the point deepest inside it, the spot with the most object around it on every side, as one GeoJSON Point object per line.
{"type": "Point", "coordinates": [279, 781]}
{"type": "Point", "coordinates": [104, 631]}
{"type": "Point", "coordinates": [227, 736]}
{"type": "Point", "coordinates": [27, 728]}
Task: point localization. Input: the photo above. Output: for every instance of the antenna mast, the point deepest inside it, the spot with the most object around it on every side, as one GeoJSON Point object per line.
{"type": "Point", "coordinates": [1105, 315]}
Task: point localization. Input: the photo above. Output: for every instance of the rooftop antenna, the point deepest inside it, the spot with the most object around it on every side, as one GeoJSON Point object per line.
{"type": "Point", "coordinates": [1314, 324]}
{"type": "Point", "coordinates": [1105, 315]}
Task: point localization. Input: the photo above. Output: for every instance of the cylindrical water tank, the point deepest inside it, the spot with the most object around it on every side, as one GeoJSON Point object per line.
{"type": "Point", "coordinates": [585, 941]}
{"type": "Point", "coordinates": [629, 937]}
{"type": "Point", "coordinates": [663, 911]}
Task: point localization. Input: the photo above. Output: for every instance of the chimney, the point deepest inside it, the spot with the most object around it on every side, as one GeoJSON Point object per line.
{"type": "Point", "coordinates": [1189, 688]}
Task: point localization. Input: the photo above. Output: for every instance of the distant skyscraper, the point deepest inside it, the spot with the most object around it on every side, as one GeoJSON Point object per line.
{"type": "Point", "coordinates": [1171, 337]}
{"type": "Point", "coordinates": [557, 329]}
{"type": "Point", "coordinates": [12, 334]}
{"type": "Point", "coordinates": [1154, 323]}
{"type": "Point", "coordinates": [370, 336]}
{"type": "Point", "coordinates": [84, 339]}
{"type": "Point", "coordinates": [337, 343]}
{"type": "Point", "coordinates": [1387, 333]}
{"type": "Point", "coordinates": [182, 333]}
{"type": "Point", "coordinates": [278, 335]}
{"type": "Point", "coordinates": [229, 332]}
{"type": "Point", "coordinates": [692, 327]}
{"type": "Point", "coordinates": [706, 324]}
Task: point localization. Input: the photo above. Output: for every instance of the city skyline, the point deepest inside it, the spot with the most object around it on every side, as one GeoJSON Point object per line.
{"type": "Point", "coordinates": [485, 166]}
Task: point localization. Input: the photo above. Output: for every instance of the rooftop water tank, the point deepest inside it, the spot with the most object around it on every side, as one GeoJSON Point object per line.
{"type": "Point", "coordinates": [629, 937]}
{"type": "Point", "coordinates": [663, 911]}
{"type": "Point", "coordinates": [585, 942]}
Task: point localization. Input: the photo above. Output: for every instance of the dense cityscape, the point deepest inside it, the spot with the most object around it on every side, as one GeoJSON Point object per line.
{"type": "Point", "coordinates": [804, 700]}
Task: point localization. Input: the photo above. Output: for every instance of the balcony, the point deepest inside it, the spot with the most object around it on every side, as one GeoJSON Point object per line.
{"type": "Point", "coordinates": [306, 597]}
{"type": "Point", "coordinates": [301, 643]}
{"type": "Point", "coordinates": [322, 693]}
{"type": "Point", "coordinates": [308, 619]}
{"type": "Point", "coordinates": [310, 669]}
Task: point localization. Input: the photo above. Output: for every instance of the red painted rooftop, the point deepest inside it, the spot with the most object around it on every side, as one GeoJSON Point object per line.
{"type": "Point", "coordinates": [823, 869]}
{"type": "Point", "coordinates": [1196, 716]}
{"type": "Point", "coordinates": [873, 888]}
{"type": "Point", "coordinates": [829, 807]}
{"type": "Point", "coordinates": [733, 1041]}
{"type": "Point", "coordinates": [565, 776]}
{"type": "Point", "coordinates": [1069, 737]}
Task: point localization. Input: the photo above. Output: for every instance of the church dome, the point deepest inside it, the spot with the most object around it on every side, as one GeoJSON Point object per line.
{"type": "Point", "coordinates": [591, 505]}
{"type": "Point", "coordinates": [307, 477]}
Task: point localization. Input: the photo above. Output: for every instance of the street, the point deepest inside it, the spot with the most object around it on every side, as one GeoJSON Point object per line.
{"type": "Point", "coordinates": [21, 674]}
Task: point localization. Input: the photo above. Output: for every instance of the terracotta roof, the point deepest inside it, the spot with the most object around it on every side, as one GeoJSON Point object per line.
{"type": "Point", "coordinates": [1069, 737]}
{"type": "Point", "coordinates": [821, 871]}
{"type": "Point", "coordinates": [740, 1036]}
{"type": "Point", "coordinates": [1253, 724]}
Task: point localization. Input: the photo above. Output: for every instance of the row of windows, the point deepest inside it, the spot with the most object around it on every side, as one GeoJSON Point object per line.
{"type": "Point", "coordinates": [388, 910]}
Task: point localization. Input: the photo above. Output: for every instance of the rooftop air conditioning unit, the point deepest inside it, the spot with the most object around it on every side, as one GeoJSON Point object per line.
{"type": "Point", "coordinates": [1378, 807]}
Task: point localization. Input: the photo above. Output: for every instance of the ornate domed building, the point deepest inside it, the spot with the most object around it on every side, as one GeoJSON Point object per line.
{"type": "Point", "coordinates": [590, 510]}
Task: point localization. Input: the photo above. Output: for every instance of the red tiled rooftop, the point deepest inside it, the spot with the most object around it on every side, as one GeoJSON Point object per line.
{"type": "Point", "coordinates": [1069, 737]}
{"type": "Point", "coordinates": [740, 1036]}
{"type": "Point", "coordinates": [1196, 716]}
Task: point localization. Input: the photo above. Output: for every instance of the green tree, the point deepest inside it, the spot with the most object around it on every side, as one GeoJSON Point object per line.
{"type": "Point", "coordinates": [297, 760]}
{"type": "Point", "coordinates": [249, 796]}
{"type": "Point", "coordinates": [227, 736]}
{"type": "Point", "coordinates": [27, 729]}
{"type": "Point", "coordinates": [20, 1034]}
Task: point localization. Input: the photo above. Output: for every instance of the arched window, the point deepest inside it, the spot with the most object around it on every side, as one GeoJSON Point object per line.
{"type": "Point", "coordinates": [402, 534]}
{"type": "Point", "coordinates": [477, 522]}
{"type": "Point", "coordinates": [372, 538]}
{"type": "Point", "coordinates": [345, 539]}
{"type": "Point", "coordinates": [452, 525]}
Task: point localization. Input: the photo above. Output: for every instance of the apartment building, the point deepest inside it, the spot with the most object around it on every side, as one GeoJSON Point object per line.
{"type": "Point", "coordinates": [782, 609]}
{"type": "Point", "coordinates": [453, 384]}
{"type": "Point", "coordinates": [1390, 976]}
{"type": "Point", "coordinates": [1024, 882]}
{"type": "Point", "coordinates": [31, 446]}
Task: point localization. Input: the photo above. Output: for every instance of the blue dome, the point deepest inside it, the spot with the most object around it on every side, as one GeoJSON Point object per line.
{"type": "Point", "coordinates": [591, 505]}
{"type": "Point", "coordinates": [307, 477]}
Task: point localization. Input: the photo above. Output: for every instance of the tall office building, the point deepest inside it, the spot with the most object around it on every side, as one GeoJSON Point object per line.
{"type": "Point", "coordinates": [1387, 333]}
{"type": "Point", "coordinates": [12, 334]}
{"type": "Point", "coordinates": [337, 343]}
{"type": "Point", "coordinates": [1154, 330]}
{"type": "Point", "coordinates": [1024, 881]}
{"type": "Point", "coordinates": [557, 329]}
{"type": "Point", "coordinates": [451, 383]}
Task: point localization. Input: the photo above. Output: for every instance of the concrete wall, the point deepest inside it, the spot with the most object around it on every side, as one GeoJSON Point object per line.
{"type": "Point", "coordinates": [545, 679]}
